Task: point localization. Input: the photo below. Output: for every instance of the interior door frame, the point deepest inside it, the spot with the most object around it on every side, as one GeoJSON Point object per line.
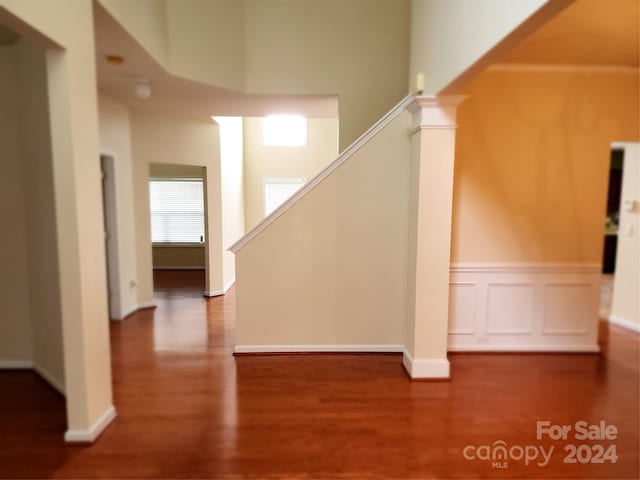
{"type": "Point", "coordinates": [625, 306]}
{"type": "Point", "coordinates": [112, 250]}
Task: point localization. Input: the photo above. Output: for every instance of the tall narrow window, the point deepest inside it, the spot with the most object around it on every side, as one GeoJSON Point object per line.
{"type": "Point", "coordinates": [177, 210]}
{"type": "Point", "coordinates": [278, 190]}
{"type": "Point", "coordinates": [285, 131]}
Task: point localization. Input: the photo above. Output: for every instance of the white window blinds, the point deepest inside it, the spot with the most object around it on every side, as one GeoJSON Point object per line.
{"type": "Point", "coordinates": [278, 190]}
{"type": "Point", "coordinates": [177, 210]}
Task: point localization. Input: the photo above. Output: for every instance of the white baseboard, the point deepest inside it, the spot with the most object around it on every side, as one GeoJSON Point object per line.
{"type": "Point", "coordinates": [567, 348]}
{"type": "Point", "coordinates": [217, 293]}
{"type": "Point", "coordinates": [125, 313]}
{"type": "Point", "coordinates": [318, 349]}
{"type": "Point", "coordinates": [16, 364]}
{"type": "Point", "coordinates": [624, 323]}
{"type": "Point", "coordinates": [426, 369]}
{"type": "Point", "coordinates": [30, 365]}
{"type": "Point", "coordinates": [142, 306]}
{"type": "Point", "coordinates": [135, 308]}
{"type": "Point", "coordinates": [50, 379]}
{"type": "Point", "coordinates": [90, 435]}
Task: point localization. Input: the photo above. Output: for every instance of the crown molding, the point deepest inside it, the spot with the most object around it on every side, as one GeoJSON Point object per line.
{"type": "Point", "coordinates": [434, 112]}
{"type": "Point", "coordinates": [562, 68]}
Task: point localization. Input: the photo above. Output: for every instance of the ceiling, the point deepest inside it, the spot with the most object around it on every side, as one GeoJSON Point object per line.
{"type": "Point", "coordinates": [588, 32]}
{"type": "Point", "coordinates": [179, 96]}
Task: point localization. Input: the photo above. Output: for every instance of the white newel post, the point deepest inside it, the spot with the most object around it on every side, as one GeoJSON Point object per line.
{"type": "Point", "coordinates": [432, 159]}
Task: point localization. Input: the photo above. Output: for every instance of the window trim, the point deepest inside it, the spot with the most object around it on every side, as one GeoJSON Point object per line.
{"type": "Point", "coordinates": [204, 204]}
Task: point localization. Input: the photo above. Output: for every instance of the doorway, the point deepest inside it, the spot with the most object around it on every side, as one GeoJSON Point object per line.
{"type": "Point", "coordinates": [620, 300]}
{"type": "Point", "coordinates": [177, 197]}
{"type": "Point", "coordinates": [109, 211]}
{"type": "Point", "coordinates": [611, 230]}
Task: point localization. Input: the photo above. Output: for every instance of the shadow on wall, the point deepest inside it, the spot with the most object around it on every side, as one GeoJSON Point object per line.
{"type": "Point", "coordinates": [532, 162]}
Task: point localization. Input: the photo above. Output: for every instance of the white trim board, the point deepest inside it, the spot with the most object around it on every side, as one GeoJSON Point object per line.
{"type": "Point", "coordinates": [318, 349]}
{"type": "Point", "coordinates": [343, 157]}
{"type": "Point", "coordinates": [624, 323]}
{"type": "Point", "coordinates": [218, 293]}
{"type": "Point", "coordinates": [37, 369]}
{"type": "Point", "coordinates": [566, 348]}
{"type": "Point", "coordinates": [92, 433]}
{"type": "Point", "coordinates": [16, 364]}
{"type": "Point", "coordinates": [50, 379]}
{"type": "Point", "coordinates": [142, 306]}
{"type": "Point", "coordinates": [525, 268]}
{"type": "Point", "coordinates": [433, 368]}
{"type": "Point", "coordinates": [134, 309]}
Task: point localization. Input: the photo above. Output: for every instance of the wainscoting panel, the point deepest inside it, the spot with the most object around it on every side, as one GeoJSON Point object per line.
{"type": "Point", "coordinates": [462, 306]}
{"type": "Point", "coordinates": [515, 307]}
{"type": "Point", "coordinates": [509, 308]}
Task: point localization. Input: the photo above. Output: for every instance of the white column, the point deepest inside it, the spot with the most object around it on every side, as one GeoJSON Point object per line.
{"type": "Point", "coordinates": [432, 158]}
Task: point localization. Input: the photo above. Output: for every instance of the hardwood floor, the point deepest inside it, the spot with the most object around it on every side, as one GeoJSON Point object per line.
{"type": "Point", "coordinates": [188, 409]}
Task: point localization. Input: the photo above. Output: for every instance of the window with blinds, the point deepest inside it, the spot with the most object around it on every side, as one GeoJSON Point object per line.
{"type": "Point", "coordinates": [177, 210]}
{"type": "Point", "coordinates": [278, 190]}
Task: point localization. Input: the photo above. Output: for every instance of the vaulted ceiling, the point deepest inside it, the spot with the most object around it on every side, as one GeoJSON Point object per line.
{"type": "Point", "coordinates": [179, 96]}
{"type": "Point", "coordinates": [588, 32]}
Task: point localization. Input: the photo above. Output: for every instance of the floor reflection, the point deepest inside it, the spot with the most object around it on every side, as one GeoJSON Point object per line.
{"type": "Point", "coordinates": [188, 408]}
{"type": "Point", "coordinates": [180, 323]}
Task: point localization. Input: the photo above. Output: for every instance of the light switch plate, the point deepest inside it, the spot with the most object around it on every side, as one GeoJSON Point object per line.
{"type": "Point", "coordinates": [629, 205]}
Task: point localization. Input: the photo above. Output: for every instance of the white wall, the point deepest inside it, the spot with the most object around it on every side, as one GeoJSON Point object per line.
{"type": "Point", "coordinates": [73, 117]}
{"type": "Point", "coordinates": [448, 37]}
{"type": "Point", "coordinates": [302, 162]}
{"type": "Point", "coordinates": [115, 139]}
{"type": "Point", "coordinates": [232, 190]}
{"type": "Point", "coordinates": [140, 151]}
{"type": "Point", "coordinates": [172, 140]}
{"type": "Point", "coordinates": [331, 271]}
{"type": "Point", "coordinates": [206, 41]}
{"type": "Point", "coordinates": [626, 289]}
{"type": "Point", "coordinates": [146, 20]}
{"type": "Point", "coordinates": [357, 49]}
{"type": "Point", "coordinates": [15, 320]}
{"type": "Point", "coordinates": [39, 201]}
{"type": "Point", "coordinates": [31, 328]}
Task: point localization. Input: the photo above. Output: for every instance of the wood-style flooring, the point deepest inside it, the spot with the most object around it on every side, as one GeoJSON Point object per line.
{"type": "Point", "coordinates": [188, 409]}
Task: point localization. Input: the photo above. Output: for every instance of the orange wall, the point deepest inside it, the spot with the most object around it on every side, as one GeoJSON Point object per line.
{"type": "Point", "coordinates": [532, 161]}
